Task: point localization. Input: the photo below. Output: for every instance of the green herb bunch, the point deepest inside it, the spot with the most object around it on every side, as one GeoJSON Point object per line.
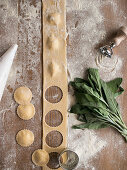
{"type": "Point", "coordinates": [96, 104]}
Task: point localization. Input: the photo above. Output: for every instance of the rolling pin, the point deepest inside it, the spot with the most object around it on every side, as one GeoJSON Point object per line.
{"type": "Point", "coordinates": [120, 36]}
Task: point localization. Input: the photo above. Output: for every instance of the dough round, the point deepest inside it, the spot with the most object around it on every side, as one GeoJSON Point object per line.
{"type": "Point", "coordinates": [40, 157]}
{"type": "Point", "coordinates": [26, 112]}
{"type": "Point", "coordinates": [25, 137]}
{"type": "Point", "coordinates": [23, 95]}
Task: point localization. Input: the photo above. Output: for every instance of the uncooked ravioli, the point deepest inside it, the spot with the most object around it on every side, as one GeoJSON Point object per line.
{"type": "Point", "coordinates": [40, 157]}
{"type": "Point", "coordinates": [23, 95]}
{"type": "Point", "coordinates": [26, 112]}
{"type": "Point", "coordinates": [25, 137]}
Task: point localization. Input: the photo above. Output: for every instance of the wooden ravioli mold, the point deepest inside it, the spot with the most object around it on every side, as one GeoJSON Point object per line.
{"type": "Point", "coordinates": [55, 86]}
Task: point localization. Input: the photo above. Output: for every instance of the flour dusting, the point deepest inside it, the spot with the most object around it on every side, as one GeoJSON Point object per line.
{"type": "Point", "coordinates": [8, 24]}
{"type": "Point", "coordinates": [83, 20]}
{"type": "Point", "coordinates": [30, 36]}
{"type": "Point", "coordinates": [85, 142]}
{"type": "Point", "coordinates": [83, 37]}
{"type": "Point", "coordinates": [85, 29]}
{"type": "Point", "coordinates": [20, 22]}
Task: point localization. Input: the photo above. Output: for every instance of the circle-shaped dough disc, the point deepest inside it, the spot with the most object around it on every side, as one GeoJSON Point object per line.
{"type": "Point", "coordinates": [26, 112]}
{"type": "Point", "coordinates": [40, 157]}
{"type": "Point", "coordinates": [23, 95]}
{"type": "Point", "coordinates": [25, 137]}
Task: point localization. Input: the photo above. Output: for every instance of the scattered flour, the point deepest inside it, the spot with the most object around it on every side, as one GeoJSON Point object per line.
{"type": "Point", "coordinates": [83, 20]}
{"type": "Point", "coordinates": [7, 10]}
{"type": "Point", "coordinates": [20, 22]}
{"type": "Point", "coordinates": [85, 29]}
{"type": "Point", "coordinates": [84, 36]}
{"type": "Point", "coordinates": [30, 43]}
{"type": "Point", "coordinates": [84, 142]}
{"type": "Point", "coordinates": [8, 36]}
{"type": "Point", "coordinates": [8, 24]}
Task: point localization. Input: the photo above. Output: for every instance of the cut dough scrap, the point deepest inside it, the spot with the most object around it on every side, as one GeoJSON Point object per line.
{"type": "Point", "coordinates": [40, 157]}
{"type": "Point", "coordinates": [54, 18]}
{"type": "Point", "coordinates": [53, 68]}
{"type": "Point", "coordinates": [23, 95]}
{"type": "Point", "coordinates": [26, 112]}
{"type": "Point", "coordinates": [53, 42]}
{"type": "Point", "coordinates": [25, 137]}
